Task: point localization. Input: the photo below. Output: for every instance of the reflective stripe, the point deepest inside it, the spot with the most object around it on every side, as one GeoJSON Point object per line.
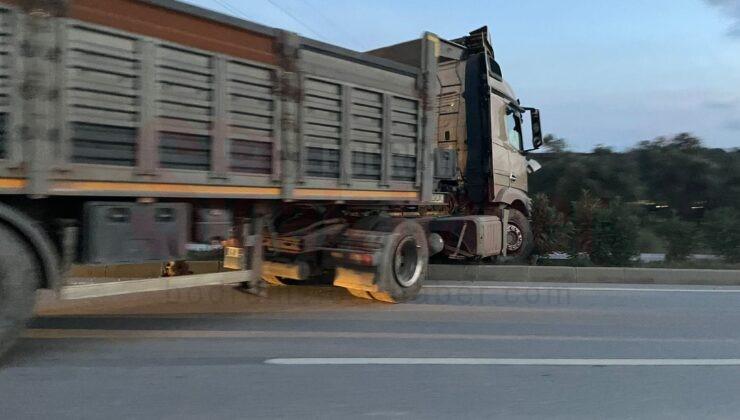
{"type": "Point", "coordinates": [300, 193]}
{"type": "Point", "coordinates": [13, 183]}
{"type": "Point", "coordinates": [86, 186]}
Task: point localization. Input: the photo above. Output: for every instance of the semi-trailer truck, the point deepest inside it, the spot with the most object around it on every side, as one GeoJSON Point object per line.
{"type": "Point", "coordinates": [144, 130]}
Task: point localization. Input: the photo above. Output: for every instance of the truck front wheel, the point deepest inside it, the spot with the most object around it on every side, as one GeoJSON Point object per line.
{"type": "Point", "coordinates": [519, 238]}
{"type": "Point", "coordinates": [19, 278]}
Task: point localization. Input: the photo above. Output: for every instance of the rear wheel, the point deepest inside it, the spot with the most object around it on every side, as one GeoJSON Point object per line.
{"type": "Point", "coordinates": [403, 266]}
{"type": "Point", "coordinates": [19, 278]}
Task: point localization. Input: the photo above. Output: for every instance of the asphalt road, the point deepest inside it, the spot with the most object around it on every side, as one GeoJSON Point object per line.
{"type": "Point", "coordinates": [506, 351]}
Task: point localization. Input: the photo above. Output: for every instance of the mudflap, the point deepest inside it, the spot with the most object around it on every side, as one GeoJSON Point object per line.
{"type": "Point", "coordinates": [360, 280]}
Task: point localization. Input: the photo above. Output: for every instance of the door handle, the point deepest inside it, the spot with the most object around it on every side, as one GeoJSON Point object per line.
{"type": "Point", "coordinates": [512, 177]}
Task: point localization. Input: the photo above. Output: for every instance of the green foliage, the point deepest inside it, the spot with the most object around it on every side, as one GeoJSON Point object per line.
{"type": "Point", "coordinates": [614, 236]}
{"type": "Point", "coordinates": [677, 171]}
{"type": "Point", "coordinates": [606, 234]}
{"type": "Point", "coordinates": [724, 191]}
{"type": "Point", "coordinates": [582, 217]}
{"type": "Point", "coordinates": [680, 236]}
{"type": "Point", "coordinates": [605, 173]}
{"type": "Point", "coordinates": [648, 238]}
{"type": "Point", "coordinates": [699, 186]}
{"type": "Point", "coordinates": [551, 231]}
{"type": "Point", "coordinates": [721, 228]}
{"type": "Point", "coordinates": [554, 144]}
{"type": "Point", "coordinates": [649, 241]}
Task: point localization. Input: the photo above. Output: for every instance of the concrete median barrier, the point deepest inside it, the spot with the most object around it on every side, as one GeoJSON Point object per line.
{"type": "Point", "coordinates": [511, 273]}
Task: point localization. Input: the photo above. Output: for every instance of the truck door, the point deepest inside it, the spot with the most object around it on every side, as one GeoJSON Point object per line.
{"type": "Point", "coordinates": [500, 148]}
{"type": "Point", "coordinates": [514, 146]}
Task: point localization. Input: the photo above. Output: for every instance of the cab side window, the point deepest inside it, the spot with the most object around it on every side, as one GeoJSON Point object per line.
{"type": "Point", "coordinates": [513, 129]}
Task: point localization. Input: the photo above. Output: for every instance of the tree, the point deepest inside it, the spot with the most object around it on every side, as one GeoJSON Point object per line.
{"type": "Point", "coordinates": [605, 173]}
{"type": "Point", "coordinates": [602, 150]}
{"type": "Point", "coordinates": [615, 230]}
{"type": "Point", "coordinates": [724, 191]}
{"type": "Point", "coordinates": [550, 230]}
{"type": "Point", "coordinates": [721, 229]}
{"type": "Point", "coordinates": [554, 144]}
{"type": "Point", "coordinates": [681, 237]}
{"type": "Point", "coordinates": [582, 217]}
{"type": "Point", "coordinates": [677, 172]}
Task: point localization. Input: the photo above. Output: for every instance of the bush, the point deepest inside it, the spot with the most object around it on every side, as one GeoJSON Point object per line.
{"type": "Point", "coordinates": [614, 235]}
{"type": "Point", "coordinates": [649, 241]}
{"type": "Point", "coordinates": [550, 230]}
{"type": "Point", "coordinates": [583, 222]}
{"type": "Point", "coordinates": [681, 238]}
{"type": "Point", "coordinates": [722, 232]}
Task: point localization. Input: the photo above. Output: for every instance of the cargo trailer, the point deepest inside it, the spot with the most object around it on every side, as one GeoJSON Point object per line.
{"type": "Point", "coordinates": [146, 133]}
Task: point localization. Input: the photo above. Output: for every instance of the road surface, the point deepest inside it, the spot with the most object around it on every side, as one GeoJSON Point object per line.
{"type": "Point", "coordinates": [460, 351]}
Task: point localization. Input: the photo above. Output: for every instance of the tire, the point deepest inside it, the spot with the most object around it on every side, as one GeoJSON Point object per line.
{"type": "Point", "coordinates": [19, 278]}
{"type": "Point", "coordinates": [520, 240]}
{"type": "Point", "coordinates": [403, 267]}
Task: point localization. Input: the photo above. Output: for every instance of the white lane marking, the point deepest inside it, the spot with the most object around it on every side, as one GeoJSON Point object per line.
{"type": "Point", "coordinates": [501, 362]}
{"type": "Point", "coordinates": [578, 288]}
{"type": "Point", "coordinates": [60, 333]}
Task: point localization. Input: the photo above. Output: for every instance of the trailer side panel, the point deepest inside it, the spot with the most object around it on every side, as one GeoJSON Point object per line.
{"type": "Point", "coordinates": [153, 99]}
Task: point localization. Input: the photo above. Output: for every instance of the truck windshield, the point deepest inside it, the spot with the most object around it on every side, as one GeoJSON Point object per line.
{"type": "Point", "coordinates": [513, 129]}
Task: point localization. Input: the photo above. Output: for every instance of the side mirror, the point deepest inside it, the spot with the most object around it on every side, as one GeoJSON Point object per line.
{"type": "Point", "coordinates": [534, 116]}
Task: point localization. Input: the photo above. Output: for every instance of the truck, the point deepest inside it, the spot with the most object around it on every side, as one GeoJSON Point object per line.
{"type": "Point", "coordinates": [150, 131]}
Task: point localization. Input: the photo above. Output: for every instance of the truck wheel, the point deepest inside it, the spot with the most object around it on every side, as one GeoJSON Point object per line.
{"type": "Point", "coordinates": [19, 278]}
{"type": "Point", "coordinates": [403, 268]}
{"type": "Point", "coordinates": [519, 238]}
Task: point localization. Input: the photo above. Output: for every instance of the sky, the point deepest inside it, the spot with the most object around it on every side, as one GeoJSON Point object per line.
{"type": "Point", "coordinates": [603, 73]}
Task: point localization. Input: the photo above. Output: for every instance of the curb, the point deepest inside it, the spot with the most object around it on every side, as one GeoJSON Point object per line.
{"type": "Point", "coordinates": [523, 273]}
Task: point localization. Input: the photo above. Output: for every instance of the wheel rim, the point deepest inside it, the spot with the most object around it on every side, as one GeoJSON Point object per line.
{"type": "Point", "coordinates": [407, 262]}
{"type": "Point", "coordinates": [514, 238]}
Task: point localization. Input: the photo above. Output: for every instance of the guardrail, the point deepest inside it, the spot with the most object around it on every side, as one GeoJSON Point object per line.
{"type": "Point", "coordinates": [510, 273]}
